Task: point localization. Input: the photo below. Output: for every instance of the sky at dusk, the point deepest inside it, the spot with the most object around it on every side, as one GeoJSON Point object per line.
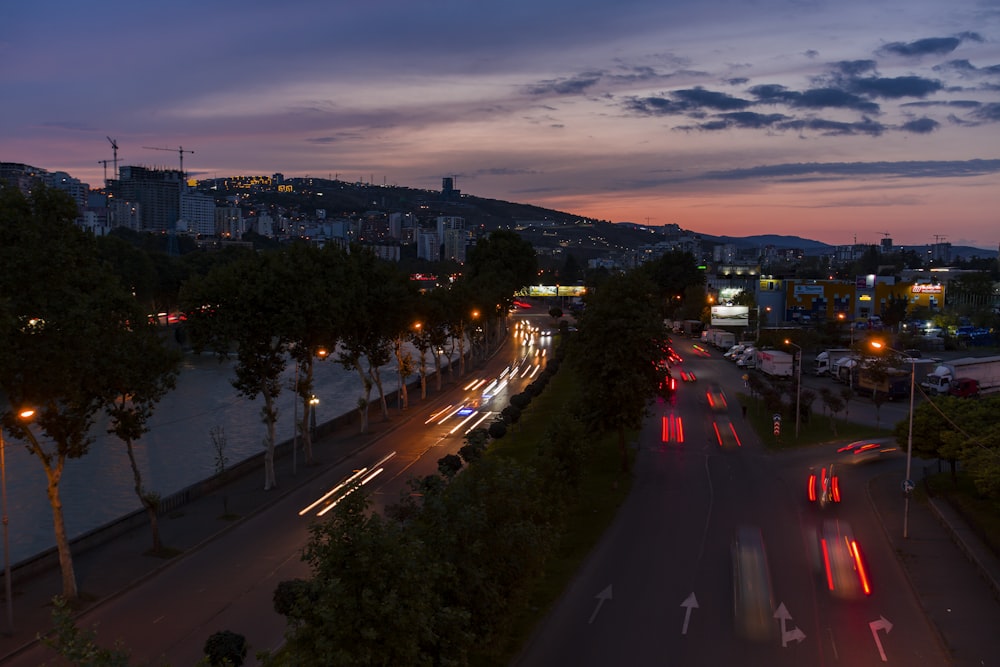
{"type": "Point", "coordinates": [834, 121]}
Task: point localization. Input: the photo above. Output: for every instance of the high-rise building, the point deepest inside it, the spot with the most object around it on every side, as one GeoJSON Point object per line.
{"type": "Point", "coordinates": [157, 191]}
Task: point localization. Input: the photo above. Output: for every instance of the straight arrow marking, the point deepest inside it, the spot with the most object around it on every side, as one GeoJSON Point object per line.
{"type": "Point", "coordinates": [601, 598]}
{"type": "Point", "coordinates": [690, 602]}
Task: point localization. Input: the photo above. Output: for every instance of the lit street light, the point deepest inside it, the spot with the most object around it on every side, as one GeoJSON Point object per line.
{"type": "Point", "coordinates": [8, 594]}
{"type": "Point", "coordinates": [798, 385]}
{"type": "Point", "coordinates": [907, 484]}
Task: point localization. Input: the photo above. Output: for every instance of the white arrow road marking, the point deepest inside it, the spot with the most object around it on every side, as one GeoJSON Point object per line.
{"type": "Point", "coordinates": [793, 635]}
{"type": "Point", "coordinates": [881, 624]}
{"type": "Point", "coordinates": [690, 602]}
{"type": "Point", "coordinates": [601, 598]}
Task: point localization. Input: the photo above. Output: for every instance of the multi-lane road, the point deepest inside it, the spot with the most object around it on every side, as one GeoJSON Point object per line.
{"type": "Point", "coordinates": [659, 588]}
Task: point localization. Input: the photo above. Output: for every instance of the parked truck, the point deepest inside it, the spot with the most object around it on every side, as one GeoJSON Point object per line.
{"type": "Point", "coordinates": [692, 328]}
{"type": "Point", "coordinates": [953, 377]}
{"type": "Point", "coordinates": [894, 384]}
{"type": "Point", "coordinates": [775, 363]}
{"type": "Point", "coordinates": [825, 360]}
{"type": "Point", "coordinates": [725, 340]}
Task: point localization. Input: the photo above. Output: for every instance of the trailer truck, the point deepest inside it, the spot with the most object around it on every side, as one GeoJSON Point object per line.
{"type": "Point", "coordinates": [895, 384]}
{"type": "Point", "coordinates": [953, 377]}
{"type": "Point", "coordinates": [775, 363]}
{"type": "Point", "coordinates": [825, 360]}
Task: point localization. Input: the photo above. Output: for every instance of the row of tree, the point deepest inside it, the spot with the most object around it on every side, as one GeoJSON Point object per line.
{"type": "Point", "coordinates": [77, 341]}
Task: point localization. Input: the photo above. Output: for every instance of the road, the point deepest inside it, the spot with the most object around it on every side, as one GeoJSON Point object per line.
{"type": "Point", "coordinates": [228, 584]}
{"type": "Point", "coordinates": [658, 588]}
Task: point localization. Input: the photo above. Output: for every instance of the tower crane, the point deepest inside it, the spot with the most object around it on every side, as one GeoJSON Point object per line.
{"type": "Point", "coordinates": [114, 148]}
{"type": "Point", "coordinates": [180, 151]}
{"type": "Point", "coordinates": [105, 163]}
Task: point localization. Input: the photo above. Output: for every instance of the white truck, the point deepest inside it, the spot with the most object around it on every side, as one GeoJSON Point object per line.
{"type": "Point", "coordinates": [775, 363]}
{"type": "Point", "coordinates": [725, 340]}
{"type": "Point", "coordinates": [825, 359]}
{"type": "Point", "coordinates": [964, 377]}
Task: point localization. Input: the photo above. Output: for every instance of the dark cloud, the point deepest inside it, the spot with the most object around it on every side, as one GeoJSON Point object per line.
{"type": "Point", "coordinates": [921, 125]}
{"type": "Point", "coordinates": [566, 86]}
{"type": "Point", "coordinates": [701, 98]}
{"type": "Point", "coordinates": [961, 104]}
{"type": "Point", "coordinates": [922, 47]}
{"type": "Point", "coordinates": [833, 98]}
{"type": "Point", "coordinates": [744, 119]}
{"type": "Point", "coordinates": [914, 169]}
{"type": "Point", "coordinates": [989, 113]}
{"type": "Point", "coordinates": [895, 87]}
{"type": "Point", "coordinates": [865, 126]}
{"type": "Point", "coordinates": [855, 67]}
{"type": "Point", "coordinates": [653, 106]}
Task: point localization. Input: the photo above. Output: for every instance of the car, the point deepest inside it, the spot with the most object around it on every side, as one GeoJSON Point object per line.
{"type": "Point", "coordinates": [726, 435]}
{"type": "Point", "coordinates": [688, 376]}
{"type": "Point", "coordinates": [841, 562]}
{"type": "Point", "coordinates": [753, 597]}
{"type": "Point", "coordinates": [716, 398]}
{"type": "Point", "coordinates": [824, 486]}
{"type": "Point", "coordinates": [863, 451]}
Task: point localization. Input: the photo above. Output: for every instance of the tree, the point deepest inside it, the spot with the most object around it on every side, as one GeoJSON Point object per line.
{"type": "Point", "coordinates": [674, 273]}
{"type": "Point", "coordinates": [141, 372]}
{"type": "Point", "coordinates": [314, 318]}
{"type": "Point", "coordinates": [372, 598]}
{"type": "Point", "coordinates": [380, 311]}
{"type": "Point", "coordinates": [244, 304]}
{"type": "Point", "coordinates": [618, 346]}
{"type": "Point", "coordinates": [69, 327]}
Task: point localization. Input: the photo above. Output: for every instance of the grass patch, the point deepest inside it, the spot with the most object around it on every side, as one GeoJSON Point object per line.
{"type": "Point", "coordinates": [816, 430]}
{"type": "Point", "coordinates": [602, 492]}
{"type": "Point", "coordinates": [982, 514]}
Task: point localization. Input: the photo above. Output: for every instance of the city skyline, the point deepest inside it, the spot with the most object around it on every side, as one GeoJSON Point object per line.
{"type": "Point", "coordinates": [830, 121]}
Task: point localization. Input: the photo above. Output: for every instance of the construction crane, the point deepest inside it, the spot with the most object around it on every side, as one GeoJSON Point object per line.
{"type": "Point", "coordinates": [114, 148]}
{"type": "Point", "coordinates": [105, 163]}
{"type": "Point", "coordinates": [180, 151]}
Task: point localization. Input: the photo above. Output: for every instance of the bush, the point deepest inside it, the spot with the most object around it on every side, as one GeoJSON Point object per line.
{"type": "Point", "coordinates": [498, 430]}
{"type": "Point", "coordinates": [520, 401]}
{"type": "Point", "coordinates": [226, 648]}
{"type": "Point", "coordinates": [511, 414]}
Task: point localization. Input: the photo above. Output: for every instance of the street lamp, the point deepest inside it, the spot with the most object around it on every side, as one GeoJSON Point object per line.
{"type": "Point", "coordinates": [8, 589]}
{"type": "Point", "coordinates": [798, 385]}
{"type": "Point", "coordinates": [907, 484]}
{"type": "Point", "coordinates": [6, 536]}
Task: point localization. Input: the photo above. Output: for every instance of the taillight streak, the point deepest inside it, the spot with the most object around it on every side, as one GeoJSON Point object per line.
{"type": "Point", "coordinates": [862, 575]}
{"type": "Point", "coordinates": [735, 435]}
{"type": "Point", "coordinates": [826, 564]}
{"type": "Point", "coordinates": [812, 488]}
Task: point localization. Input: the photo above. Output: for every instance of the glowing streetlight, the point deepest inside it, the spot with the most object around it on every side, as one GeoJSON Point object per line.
{"type": "Point", "coordinates": [907, 484]}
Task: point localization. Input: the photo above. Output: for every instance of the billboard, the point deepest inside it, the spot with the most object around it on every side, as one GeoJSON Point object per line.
{"type": "Point", "coordinates": [730, 316]}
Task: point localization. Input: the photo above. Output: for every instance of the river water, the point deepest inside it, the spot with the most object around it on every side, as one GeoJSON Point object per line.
{"type": "Point", "coordinates": [176, 453]}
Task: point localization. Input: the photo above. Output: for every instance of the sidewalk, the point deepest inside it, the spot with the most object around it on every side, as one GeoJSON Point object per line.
{"type": "Point", "coordinates": [955, 576]}
{"type": "Point", "coordinates": [114, 566]}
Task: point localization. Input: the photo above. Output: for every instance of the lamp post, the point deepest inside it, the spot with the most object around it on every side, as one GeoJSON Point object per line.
{"type": "Point", "coordinates": [8, 589]}
{"type": "Point", "coordinates": [907, 484]}
{"type": "Point", "coordinates": [6, 537]}
{"type": "Point", "coordinates": [798, 385]}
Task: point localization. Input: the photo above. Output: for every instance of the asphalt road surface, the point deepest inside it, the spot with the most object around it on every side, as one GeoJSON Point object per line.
{"type": "Point", "coordinates": [659, 587]}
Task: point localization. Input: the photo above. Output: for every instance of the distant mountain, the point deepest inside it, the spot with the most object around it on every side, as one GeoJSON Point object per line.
{"type": "Point", "coordinates": [811, 247]}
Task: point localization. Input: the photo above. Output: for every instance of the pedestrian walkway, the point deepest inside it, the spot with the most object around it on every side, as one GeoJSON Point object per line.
{"type": "Point", "coordinates": [954, 575]}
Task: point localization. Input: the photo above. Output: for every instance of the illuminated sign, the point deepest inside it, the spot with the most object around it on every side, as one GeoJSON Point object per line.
{"type": "Point", "coordinates": [811, 290]}
{"type": "Point", "coordinates": [284, 188]}
{"type": "Point", "coordinates": [555, 290]}
{"type": "Point", "coordinates": [730, 316]}
{"type": "Point", "coordinates": [927, 289]}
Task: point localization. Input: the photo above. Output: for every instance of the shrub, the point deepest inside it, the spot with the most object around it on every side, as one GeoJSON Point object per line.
{"type": "Point", "coordinates": [226, 648]}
